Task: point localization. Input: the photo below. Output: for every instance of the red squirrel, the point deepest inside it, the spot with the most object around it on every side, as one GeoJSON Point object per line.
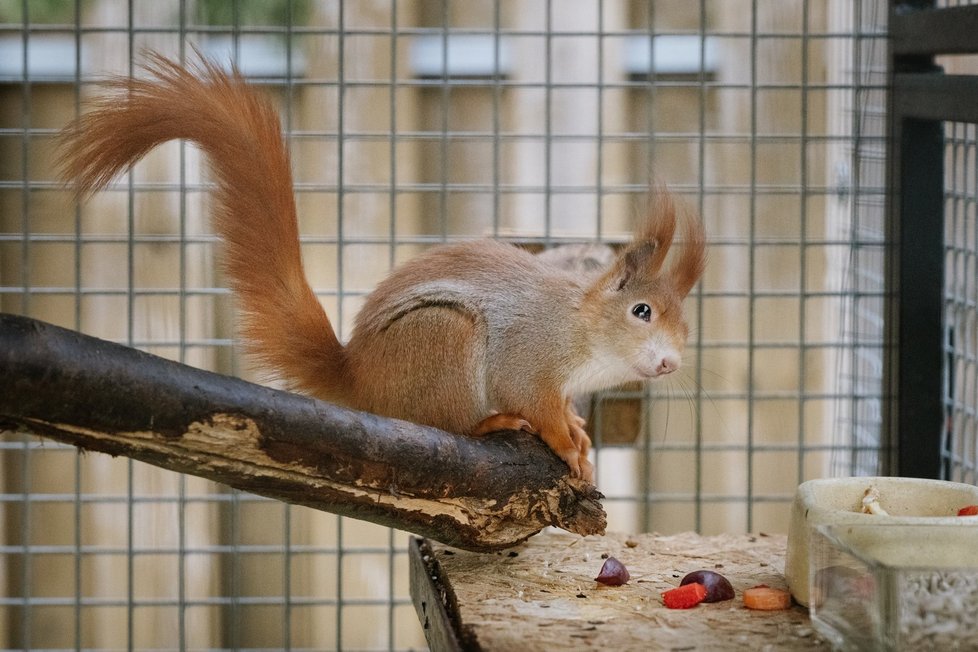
{"type": "Point", "coordinates": [471, 337]}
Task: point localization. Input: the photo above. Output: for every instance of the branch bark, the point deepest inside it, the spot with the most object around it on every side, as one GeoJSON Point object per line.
{"type": "Point", "coordinates": [477, 494]}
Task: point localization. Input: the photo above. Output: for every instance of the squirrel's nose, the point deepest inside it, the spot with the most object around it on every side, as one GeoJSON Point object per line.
{"type": "Point", "coordinates": [667, 365]}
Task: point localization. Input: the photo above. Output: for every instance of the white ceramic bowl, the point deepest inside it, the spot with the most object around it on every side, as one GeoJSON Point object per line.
{"type": "Point", "coordinates": [838, 501]}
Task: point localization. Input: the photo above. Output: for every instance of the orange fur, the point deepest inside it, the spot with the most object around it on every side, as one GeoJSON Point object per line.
{"type": "Point", "coordinates": [284, 325]}
{"type": "Point", "coordinates": [467, 337]}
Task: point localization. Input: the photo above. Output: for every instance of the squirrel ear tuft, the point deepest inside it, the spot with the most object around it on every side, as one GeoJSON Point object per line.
{"type": "Point", "coordinates": [689, 265]}
{"type": "Point", "coordinates": [643, 259]}
{"type": "Point", "coordinates": [645, 256]}
{"type": "Point", "coordinates": [659, 226]}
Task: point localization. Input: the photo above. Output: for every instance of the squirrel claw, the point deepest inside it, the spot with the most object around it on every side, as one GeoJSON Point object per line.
{"type": "Point", "coordinates": [581, 467]}
{"type": "Point", "coordinates": [587, 470]}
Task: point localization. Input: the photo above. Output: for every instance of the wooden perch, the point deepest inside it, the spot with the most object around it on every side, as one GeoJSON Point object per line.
{"type": "Point", "coordinates": [477, 494]}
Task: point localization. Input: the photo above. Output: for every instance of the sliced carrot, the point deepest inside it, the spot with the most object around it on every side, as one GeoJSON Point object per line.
{"type": "Point", "coordinates": [685, 596]}
{"type": "Point", "coordinates": [764, 598]}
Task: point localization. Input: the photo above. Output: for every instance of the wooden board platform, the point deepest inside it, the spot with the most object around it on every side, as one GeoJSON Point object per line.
{"type": "Point", "coordinates": [542, 595]}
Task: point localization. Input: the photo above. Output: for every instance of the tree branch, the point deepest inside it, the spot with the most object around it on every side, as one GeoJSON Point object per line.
{"type": "Point", "coordinates": [478, 494]}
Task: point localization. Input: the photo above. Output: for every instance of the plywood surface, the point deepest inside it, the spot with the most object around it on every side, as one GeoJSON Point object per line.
{"type": "Point", "coordinates": [542, 595]}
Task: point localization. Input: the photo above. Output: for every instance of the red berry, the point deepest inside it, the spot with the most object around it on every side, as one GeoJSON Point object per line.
{"type": "Point", "coordinates": [970, 510]}
{"type": "Point", "coordinates": [684, 597]}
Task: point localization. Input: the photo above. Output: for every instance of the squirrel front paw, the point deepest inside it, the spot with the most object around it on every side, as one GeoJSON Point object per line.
{"type": "Point", "coordinates": [581, 440]}
{"type": "Point", "coordinates": [572, 447]}
{"type": "Point", "coordinates": [575, 426]}
{"type": "Point", "coordinates": [570, 442]}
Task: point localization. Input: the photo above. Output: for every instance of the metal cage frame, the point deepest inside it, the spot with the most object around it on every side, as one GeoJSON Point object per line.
{"type": "Point", "coordinates": [922, 99]}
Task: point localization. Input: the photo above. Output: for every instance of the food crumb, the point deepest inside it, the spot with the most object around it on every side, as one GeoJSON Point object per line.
{"type": "Point", "coordinates": [871, 502]}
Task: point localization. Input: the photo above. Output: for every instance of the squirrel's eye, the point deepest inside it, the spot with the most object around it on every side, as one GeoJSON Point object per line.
{"type": "Point", "coordinates": [642, 311]}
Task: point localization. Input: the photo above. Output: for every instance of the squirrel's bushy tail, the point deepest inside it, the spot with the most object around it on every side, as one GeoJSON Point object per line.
{"type": "Point", "coordinates": [283, 324]}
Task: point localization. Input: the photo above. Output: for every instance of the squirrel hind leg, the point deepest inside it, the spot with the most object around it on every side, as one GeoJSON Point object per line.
{"type": "Point", "coordinates": [499, 421]}
{"type": "Point", "coordinates": [422, 367]}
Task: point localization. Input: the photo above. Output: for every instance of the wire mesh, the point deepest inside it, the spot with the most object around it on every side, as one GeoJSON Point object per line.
{"type": "Point", "coordinates": [411, 124]}
{"type": "Point", "coordinates": [862, 450]}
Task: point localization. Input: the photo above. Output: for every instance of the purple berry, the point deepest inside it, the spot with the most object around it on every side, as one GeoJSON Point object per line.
{"type": "Point", "coordinates": [613, 573]}
{"type": "Point", "coordinates": [718, 587]}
